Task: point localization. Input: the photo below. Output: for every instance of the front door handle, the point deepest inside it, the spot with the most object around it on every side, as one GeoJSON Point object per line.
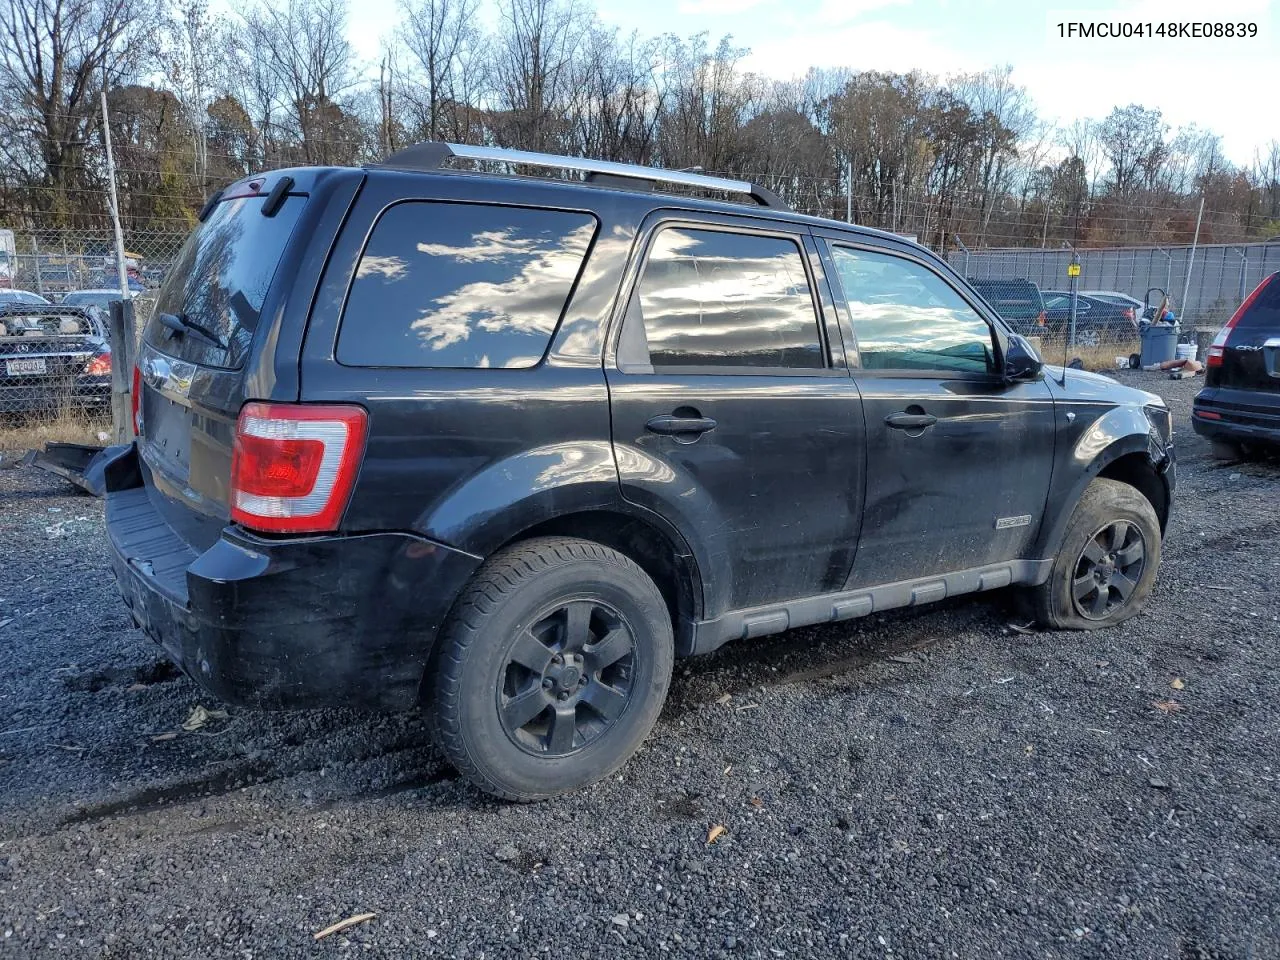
{"type": "Point", "coordinates": [910, 421]}
{"type": "Point", "coordinates": [671, 425]}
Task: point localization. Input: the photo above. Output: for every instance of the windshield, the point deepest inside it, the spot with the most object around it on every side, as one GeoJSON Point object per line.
{"type": "Point", "coordinates": [220, 280]}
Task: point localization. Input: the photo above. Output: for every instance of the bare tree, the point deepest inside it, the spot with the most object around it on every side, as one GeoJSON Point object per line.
{"type": "Point", "coordinates": [55, 57]}
{"type": "Point", "coordinates": [532, 68]}
{"type": "Point", "coordinates": [440, 37]}
{"type": "Point", "coordinates": [303, 47]}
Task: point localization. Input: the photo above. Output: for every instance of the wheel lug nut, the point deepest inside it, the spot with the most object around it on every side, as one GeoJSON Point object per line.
{"type": "Point", "coordinates": [582, 681]}
{"type": "Point", "coordinates": [564, 696]}
{"type": "Point", "coordinates": [546, 683]}
{"type": "Point", "coordinates": [557, 659]}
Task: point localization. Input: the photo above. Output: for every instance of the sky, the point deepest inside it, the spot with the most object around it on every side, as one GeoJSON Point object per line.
{"type": "Point", "coordinates": [1227, 86]}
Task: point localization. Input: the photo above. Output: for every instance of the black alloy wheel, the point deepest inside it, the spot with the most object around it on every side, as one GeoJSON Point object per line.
{"type": "Point", "coordinates": [567, 679]}
{"type": "Point", "coordinates": [1108, 570]}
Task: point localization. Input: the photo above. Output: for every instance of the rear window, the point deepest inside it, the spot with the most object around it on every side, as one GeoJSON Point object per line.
{"type": "Point", "coordinates": [1264, 312]}
{"type": "Point", "coordinates": [462, 285]}
{"type": "Point", "coordinates": [221, 277]}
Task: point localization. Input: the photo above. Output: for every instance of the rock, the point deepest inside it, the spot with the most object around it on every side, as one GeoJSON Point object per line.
{"type": "Point", "coordinates": [506, 853]}
{"type": "Point", "coordinates": [620, 920]}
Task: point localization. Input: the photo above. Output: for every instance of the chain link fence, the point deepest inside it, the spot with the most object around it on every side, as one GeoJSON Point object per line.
{"type": "Point", "coordinates": [1215, 279]}
{"type": "Point", "coordinates": [55, 356]}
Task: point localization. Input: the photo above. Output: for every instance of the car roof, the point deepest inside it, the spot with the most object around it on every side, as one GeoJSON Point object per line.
{"type": "Point", "coordinates": [113, 291]}
{"type": "Point", "coordinates": [661, 198]}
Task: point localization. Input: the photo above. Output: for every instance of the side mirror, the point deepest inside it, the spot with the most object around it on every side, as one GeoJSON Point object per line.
{"type": "Point", "coordinates": [1021, 362]}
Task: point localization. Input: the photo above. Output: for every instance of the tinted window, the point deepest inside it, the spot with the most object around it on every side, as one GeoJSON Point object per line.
{"type": "Point", "coordinates": [220, 279]}
{"type": "Point", "coordinates": [906, 317]}
{"type": "Point", "coordinates": [462, 285]}
{"type": "Point", "coordinates": [709, 298]}
{"type": "Point", "coordinates": [1264, 312]}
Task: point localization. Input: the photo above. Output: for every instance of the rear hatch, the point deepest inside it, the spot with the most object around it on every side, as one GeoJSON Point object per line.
{"type": "Point", "coordinates": [1249, 345]}
{"type": "Point", "coordinates": [197, 352]}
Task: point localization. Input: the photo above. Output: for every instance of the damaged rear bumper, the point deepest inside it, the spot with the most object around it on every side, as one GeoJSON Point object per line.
{"type": "Point", "coordinates": [283, 623]}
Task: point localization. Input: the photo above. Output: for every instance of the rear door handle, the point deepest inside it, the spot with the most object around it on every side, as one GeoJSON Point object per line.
{"type": "Point", "coordinates": [910, 421]}
{"type": "Point", "coordinates": [670, 425]}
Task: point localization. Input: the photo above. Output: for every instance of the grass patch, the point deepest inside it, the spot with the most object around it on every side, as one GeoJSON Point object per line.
{"type": "Point", "coordinates": [1101, 358]}
{"type": "Point", "coordinates": [68, 426]}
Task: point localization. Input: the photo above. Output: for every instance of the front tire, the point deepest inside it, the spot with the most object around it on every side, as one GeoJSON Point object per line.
{"type": "Point", "coordinates": [1107, 563]}
{"type": "Point", "coordinates": [552, 669]}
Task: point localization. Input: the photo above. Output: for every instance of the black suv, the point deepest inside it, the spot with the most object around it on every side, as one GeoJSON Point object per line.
{"type": "Point", "coordinates": [506, 446]}
{"type": "Point", "coordinates": [1239, 407]}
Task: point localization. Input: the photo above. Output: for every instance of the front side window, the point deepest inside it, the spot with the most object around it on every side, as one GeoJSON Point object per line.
{"type": "Point", "coordinates": [462, 285]}
{"type": "Point", "coordinates": [906, 317]}
{"type": "Point", "coordinates": [711, 298]}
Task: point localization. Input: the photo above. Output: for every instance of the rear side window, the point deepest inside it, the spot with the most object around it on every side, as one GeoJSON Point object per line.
{"type": "Point", "coordinates": [710, 298]}
{"type": "Point", "coordinates": [1264, 312]}
{"type": "Point", "coordinates": [462, 285]}
{"type": "Point", "coordinates": [221, 277]}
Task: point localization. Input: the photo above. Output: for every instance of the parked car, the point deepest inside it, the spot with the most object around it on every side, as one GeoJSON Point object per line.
{"type": "Point", "coordinates": [1097, 321]}
{"type": "Point", "coordinates": [52, 359]}
{"type": "Point", "coordinates": [97, 299]}
{"type": "Point", "coordinates": [1017, 302]}
{"type": "Point", "coordinates": [1239, 407]}
{"type": "Point", "coordinates": [8, 297]}
{"type": "Point", "coordinates": [506, 446]}
{"type": "Point", "coordinates": [1140, 309]}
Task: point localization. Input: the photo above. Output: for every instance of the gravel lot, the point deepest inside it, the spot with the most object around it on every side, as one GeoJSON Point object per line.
{"type": "Point", "coordinates": [925, 784]}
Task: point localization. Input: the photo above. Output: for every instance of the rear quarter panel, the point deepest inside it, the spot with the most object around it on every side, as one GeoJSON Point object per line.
{"type": "Point", "coordinates": [472, 457]}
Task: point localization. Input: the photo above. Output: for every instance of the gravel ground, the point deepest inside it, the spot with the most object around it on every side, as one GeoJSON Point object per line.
{"type": "Point", "coordinates": [924, 784]}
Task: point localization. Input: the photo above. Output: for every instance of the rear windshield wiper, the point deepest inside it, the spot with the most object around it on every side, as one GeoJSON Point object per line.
{"type": "Point", "coordinates": [182, 325]}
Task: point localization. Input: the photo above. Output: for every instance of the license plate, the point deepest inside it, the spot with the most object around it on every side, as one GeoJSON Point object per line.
{"type": "Point", "coordinates": [25, 367]}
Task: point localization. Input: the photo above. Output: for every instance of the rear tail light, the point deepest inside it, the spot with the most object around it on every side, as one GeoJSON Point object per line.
{"type": "Point", "coordinates": [1128, 314]}
{"type": "Point", "coordinates": [1040, 319]}
{"type": "Point", "coordinates": [1213, 356]}
{"type": "Point", "coordinates": [294, 465]}
{"type": "Point", "coordinates": [135, 400]}
{"type": "Point", "coordinates": [99, 366]}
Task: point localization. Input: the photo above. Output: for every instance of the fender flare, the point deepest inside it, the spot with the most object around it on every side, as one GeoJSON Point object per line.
{"type": "Point", "coordinates": [1122, 432]}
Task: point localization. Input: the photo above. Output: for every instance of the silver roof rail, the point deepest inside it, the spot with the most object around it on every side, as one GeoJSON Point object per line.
{"type": "Point", "coordinates": [433, 155]}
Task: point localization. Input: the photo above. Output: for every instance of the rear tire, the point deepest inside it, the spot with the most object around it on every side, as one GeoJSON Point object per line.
{"type": "Point", "coordinates": [552, 669]}
{"type": "Point", "coordinates": [1226, 450]}
{"type": "Point", "coordinates": [1106, 564]}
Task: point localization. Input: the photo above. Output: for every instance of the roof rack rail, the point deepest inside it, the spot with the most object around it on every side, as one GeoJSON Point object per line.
{"type": "Point", "coordinates": [432, 155]}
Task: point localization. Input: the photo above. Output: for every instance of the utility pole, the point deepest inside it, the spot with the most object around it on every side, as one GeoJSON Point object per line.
{"type": "Point", "coordinates": [120, 315]}
{"type": "Point", "coordinates": [121, 274]}
{"type": "Point", "coordinates": [1191, 262]}
{"type": "Point", "coordinates": [848, 197]}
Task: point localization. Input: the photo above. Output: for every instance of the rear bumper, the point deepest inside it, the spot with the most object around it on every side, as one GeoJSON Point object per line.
{"type": "Point", "coordinates": [1220, 413]}
{"type": "Point", "coordinates": [284, 623]}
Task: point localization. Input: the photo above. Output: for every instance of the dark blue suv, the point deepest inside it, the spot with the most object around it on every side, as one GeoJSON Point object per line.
{"type": "Point", "coordinates": [506, 446]}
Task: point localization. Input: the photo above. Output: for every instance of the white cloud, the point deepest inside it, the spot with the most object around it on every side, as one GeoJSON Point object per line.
{"type": "Point", "coordinates": [870, 45]}
{"type": "Point", "coordinates": [715, 8]}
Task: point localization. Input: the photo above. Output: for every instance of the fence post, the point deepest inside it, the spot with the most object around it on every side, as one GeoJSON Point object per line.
{"type": "Point", "coordinates": [120, 321]}
{"type": "Point", "coordinates": [1244, 267]}
{"type": "Point", "coordinates": [35, 250]}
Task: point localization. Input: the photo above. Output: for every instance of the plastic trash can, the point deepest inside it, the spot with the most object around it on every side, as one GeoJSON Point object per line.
{"type": "Point", "coordinates": [1159, 343]}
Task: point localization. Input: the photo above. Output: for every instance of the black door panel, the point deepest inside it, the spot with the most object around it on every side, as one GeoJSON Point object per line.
{"type": "Point", "coordinates": [729, 417]}
{"type": "Point", "coordinates": [771, 494]}
{"type": "Point", "coordinates": [965, 491]}
{"type": "Point", "coordinates": [958, 460]}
